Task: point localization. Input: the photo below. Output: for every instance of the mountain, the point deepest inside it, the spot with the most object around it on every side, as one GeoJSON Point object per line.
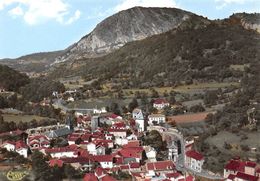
{"type": "Point", "coordinates": [126, 26]}
{"type": "Point", "coordinates": [197, 51]}
{"type": "Point", "coordinates": [117, 30]}
{"type": "Point", "coordinates": [37, 62]}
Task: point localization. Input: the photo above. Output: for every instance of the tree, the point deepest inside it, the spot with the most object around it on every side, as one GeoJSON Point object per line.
{"type": "Point", "coordinates": [154, 139]}
{"type": "Point", "coordinates": [71, 173]}
{"type": "Point", "coordinates": [154, 93]}
{"type": "Point", "coordinates": [3, 103]}
{"type": "Point", "coordinates": [210, 98]}
{"type": "Point", "coordinates": [172, 99]}
{"type": "Point", "coordinates": [115, 108]}
{"type": "Point", "coordinates": [132, 105]}
{"type": "Point", "coordinates": [40, 167]}
{"type": "Point", "coordinates": [197, 108]}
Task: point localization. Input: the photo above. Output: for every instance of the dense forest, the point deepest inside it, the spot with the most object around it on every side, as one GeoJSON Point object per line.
{"type": "Point", "coordinates": [40, 88]}
{"type": "Point", "coordinates": [11, 79]}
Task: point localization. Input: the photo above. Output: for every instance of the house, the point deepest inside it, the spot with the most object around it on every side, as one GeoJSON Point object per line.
{"type": "Point", "coordinates": [105, 143]}
{"type": "Point", "coordinates": [74, 140]}
{"type": "Point", "coordinates": [139, 119]}
{"type": "Point", "coordinates": [19, 146]}
{"type": "Point", "coordinates": [61, 152]}
{"type": "Point", "coordinates": [9, 145]}
{"type": "Point", "coordinates": [113, 116]}
{"type": "Point", "coordinates": [90, 177]}
{"type": "Point", "coordinates": [21, 135]}
{"type": "Point", "coordinates": [121, 141]}
{"type": "Point", "coordinates": [106, 161]}
{"type": "Point", "coordinates": [174, 176]}
{"type": "Point", "coordinates": [156, 119]}
{"type": "Point", "coordinates": [150, 153]}
{"type": "Point", "coordinates": [189, 144]}
{"type": "Point", "coordinates": [121, 133]}
{"type": "Point", "coordinates": [91, 147]}
{"type": "Point", "coordinates": [83, 121]}
{"type": "Point", "coordinates": [130, 167]}
{"type": "Point", "coordinates": [70, 99]}
{"type": "Point", "coordinates": [194, 160]}
{"type": "Point", "coordinates": [131, 154]}
{"type": "Point", "coordinates": [158, 167]}
{"type": "Point", "coordinates": [99, 111]}
{"type": "Point", "coordinates": [101, 175]}
{"type": "Point", "coordinates": [82, 163]}
{"type": "Point", "coordinates": [239, 176]}
{"type": "Point", "coordinates": [160, 104]}
{"type": "Point", "coordinates": [45, 102]}
{"type": "Point", "coordinates": [38, 141]}
{"type": "Point", "coordinates": [237, 169]}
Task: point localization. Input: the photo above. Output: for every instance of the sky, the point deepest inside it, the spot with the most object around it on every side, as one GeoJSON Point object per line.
{"type": "Point", "coordinates": [30, 26]}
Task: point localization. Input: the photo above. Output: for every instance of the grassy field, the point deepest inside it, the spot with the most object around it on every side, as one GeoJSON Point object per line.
{"type": "Point", "coordinates": [20, 117]}
{"type": "Point", "coordinates": [239, 67]}
{"type": "Point", "coordinates": [193, 88]}
{"type": "Point", "coordinates": [74, 82]}
{"type": "Point", "coordinates": [235, 140]}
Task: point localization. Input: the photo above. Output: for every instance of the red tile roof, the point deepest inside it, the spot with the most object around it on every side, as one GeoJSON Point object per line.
{"type": "Point", "coordinates": [12, 133]}
{"type": "Point", "coordinates": [161, 101]}
{"type": "Point", "coordinates": [173, 175]}
{"type": "Point", "coordinates": [102, 158]}
{"type": "Point", "coordinates": [119, 125]}
{"type": "Point", "coordinates": [160, 165]}
{"type": "Point", "coordinates": [190, 178]}
{"type": "Point", "coordinates": [195, 155]}
{"type": "Point", "coordinates": [100, 171]}
{"type": "Point", "coordinates": [235, 165]}
{"type": "Point", "coordinates": [111, 130]}
{"type": "Point", "coordinates": [54, 162]}
{"type": "Point", "coordinates": [113, 116]}
{"type": "Point", "coordinates": [81, 160]}
{"type": "Point", "coordinates": [133, 152]}
{"type": "Point", "coordinates": [134, 165]}
{"type": "Point", "coordinates": [9, 142]}
{"type": "Point", "coordinates": [38, 137]}
{"type": "Point", "coordinates": [59, 150]}
{"type": "Point", "coordinates": [247, 177]}
{"type": "Point", "coordinates": [231, 177]}
{"type": "Point", "coordinates": [20, 144]}
{"type": "Point", "coordinates": [133, 143]}
{"type": "Point", "coordinates": [90, 177]}
{"type": "Point", "coordinates": [124, 167]}
{"type": "Point", "coordinates": [251, 164]}
{"type": "Point", "coordinates": [108, 178]}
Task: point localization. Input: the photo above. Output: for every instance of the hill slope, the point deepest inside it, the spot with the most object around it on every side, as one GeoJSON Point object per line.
{"type": "Point", "coordinates": [36, 62]}
{"type": "Point", "coordinates": [196, 51]}
{"type": "Point", "coordinates": [11, 79]}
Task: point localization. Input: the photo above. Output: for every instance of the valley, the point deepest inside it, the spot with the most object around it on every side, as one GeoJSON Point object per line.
{"type": "Point", "coordinates": [150, 93]}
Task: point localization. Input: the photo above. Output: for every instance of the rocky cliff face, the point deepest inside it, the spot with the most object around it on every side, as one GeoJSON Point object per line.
{"type": "Point", "coordinates": [248, 21]}
{"type": "Point", "coordinates": [126, 26]}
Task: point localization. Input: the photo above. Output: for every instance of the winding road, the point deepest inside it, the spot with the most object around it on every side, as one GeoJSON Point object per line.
{"type": "Point", "coordinates": [180, 163]}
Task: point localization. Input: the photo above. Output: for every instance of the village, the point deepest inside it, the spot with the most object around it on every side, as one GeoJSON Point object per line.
{"type": "Point", "coordinates": [105, 146]}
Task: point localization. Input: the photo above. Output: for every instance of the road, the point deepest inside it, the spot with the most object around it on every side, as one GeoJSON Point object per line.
{"type": "Point", "coordinates": [180, 163]}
